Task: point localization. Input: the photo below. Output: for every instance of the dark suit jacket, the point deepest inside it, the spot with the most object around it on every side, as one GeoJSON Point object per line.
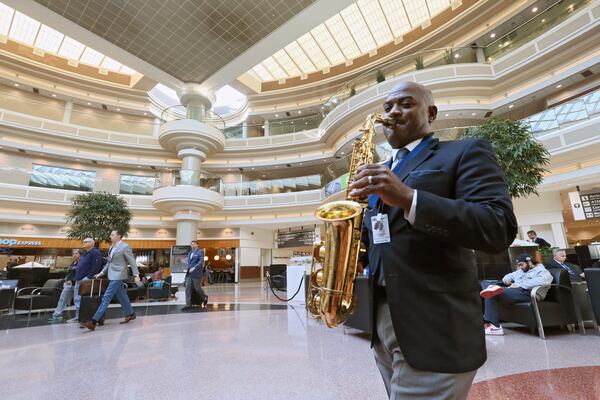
{"type": "Point", "coordinates": [430, 273]}
{"type": "Point", "coordinates": [195, 260]}
{"type": "Point", "coordinates": [541, 242]}
{"type": "Point", "coordinates": [577, 278]}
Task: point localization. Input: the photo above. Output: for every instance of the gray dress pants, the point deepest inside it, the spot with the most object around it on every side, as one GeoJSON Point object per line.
{"type": "Point", "coordinates": [404, 382]}
{"type": "Point", "coordinates": [192, 284]}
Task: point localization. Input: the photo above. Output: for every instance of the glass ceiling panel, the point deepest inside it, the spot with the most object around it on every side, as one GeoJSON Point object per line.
{"type": "Point", "coordinates": [417, 11]}
{"type": "Point", "coordinates": [356, 30]}
{"type": "Point", "coordinates": [48, 39]}
{"type": "Point", "coordinates": [23, 29]}
{"type": "Point", "coordinates": [376, 21]}
{"type": "Point", "coordinates": [71, 48]}
{"type": "Point", "coordinates": [111, 64]}
{"type": "Point", "coordinates": [342, 36]}
{"type": "Point", "coordinates": [328, 45]}
{"type": "Point", "coordinates": [437, 6]}
{"type": "Point", "coordinates": [274, 68]}
{"type": "Point", "coordinates": [286, 63]}
{"type": "Point", "coordinates": [6, 15]}
{"type": "Point", "coordinates": [360, 31]}
{"type": "Point", "coordinates": [312, 50]}
{"type": "Point", "coordinates": [299, 56]}
{"type": "Point", "coordinates": [91, 56]}
{"type": "Point", "coordinates": [263, 73]}
{"type": "Point", "coordinates": [396, 16]}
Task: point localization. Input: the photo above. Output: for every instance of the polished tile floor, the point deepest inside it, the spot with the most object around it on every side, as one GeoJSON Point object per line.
{"type": "Point", "coordinates": [249, 345]}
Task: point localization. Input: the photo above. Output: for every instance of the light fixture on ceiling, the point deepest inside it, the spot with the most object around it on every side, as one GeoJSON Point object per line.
{"type": "Point", "coordinates": [456, 55]}
{"type": "Point", "coordinates": [342, 153]}
{"type": "Point", "coordinates": [263, 175]}
{"type": "Point", "coordinates": [145, 113]}
{"type": "Point", "coordinates": [252, 168]}
{"type": "Point", "coordinates": [474, 114]}
{"type": "Point", "coordinates": [139, 166]}
{"type": "Point", "coordinates": [16, 85]}
{"type": "Point", "coordinates": [534, 9]}
{"type": "Point", "coordinates": [205, 258]}
{"type": "Point", "coordinates": [53, 95]}
{"type": "Point", "coordinates": [493, 35]}
{"type": "Point", "coordinates": [446, 115]}
{"type": "Point", "coordinates": [89, 104]}
{"type": "Point", "coordinates": [299, 111]}
{"type": "Point", "coordinates": [543, 20]}
{"type": "Point", "coordinates": [558, 86]}
{"type": "Point", "coordinates": [216, 257]}
{"type": "Point", "coordinates": [228, 257]}
{"type": "Point", "coordinates": [511, 106]}
{"type": "Point", "coordinates": [77, 159]}
{"type": "Point", "coordinates": [118, 109]}
{"type": "Point", "coordinates": [276, 115]}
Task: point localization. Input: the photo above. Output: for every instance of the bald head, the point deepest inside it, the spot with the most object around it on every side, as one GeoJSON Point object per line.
{"type": "Point", "coordinates": [411, 106]}
{"type": "Point", "coordinates": [424, 93]}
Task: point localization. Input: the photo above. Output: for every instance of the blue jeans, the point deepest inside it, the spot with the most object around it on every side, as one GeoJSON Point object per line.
{"type": "Point", "coordinates": [509, 296]}
{"type": "Point", "coordinates": [65, 298]}
{"type": "Point", "coordinates": [115, 288]}
{"type": "Point", "coordinates": [77, 297]}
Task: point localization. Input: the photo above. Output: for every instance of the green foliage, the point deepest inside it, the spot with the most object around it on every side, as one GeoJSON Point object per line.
{"type": "Point", "coordinates": [419, 62]}
{"type": "Point", "coordinates": [379, 76]}
{"type": "Point", "coordinates": [352, 90]}
{"type": "Point", "coordinates": [521, 156]}
{"type": "Point", "coordinates": [449, 56]}
{"type": "Point", "coordinates": [96, 215]}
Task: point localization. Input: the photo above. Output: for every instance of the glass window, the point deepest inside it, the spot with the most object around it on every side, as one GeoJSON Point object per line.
{"type": "Point", "coordinates": [62, 178]}
{"type": "Point", "coordinates": [135, 184]}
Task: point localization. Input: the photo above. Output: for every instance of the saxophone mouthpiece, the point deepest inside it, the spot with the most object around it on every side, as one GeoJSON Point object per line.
{"type": "Point", "coordinates": [386, 121]}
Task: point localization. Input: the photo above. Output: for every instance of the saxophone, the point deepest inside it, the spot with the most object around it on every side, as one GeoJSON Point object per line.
{"type": "Point", "coordinates": [331, 294]}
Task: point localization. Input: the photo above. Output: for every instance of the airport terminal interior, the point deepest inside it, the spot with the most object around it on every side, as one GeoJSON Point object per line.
{"type": "Point", "coordinates": [229, 123]}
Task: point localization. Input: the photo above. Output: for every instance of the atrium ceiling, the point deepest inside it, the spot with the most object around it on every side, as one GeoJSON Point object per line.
{"type": "Point", "coordinates": [21, 28]}
{"type": "Point", "coordinates": [358, 29]}
{"type": "Point", "coordinates": [190, 40]}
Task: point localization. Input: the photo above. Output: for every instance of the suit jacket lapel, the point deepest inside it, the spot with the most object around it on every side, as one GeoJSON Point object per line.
{"type": "Point", "coordinates": [419, 158]}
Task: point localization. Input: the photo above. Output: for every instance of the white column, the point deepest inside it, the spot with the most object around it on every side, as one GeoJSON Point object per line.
{"type": "Point", "coordinates": [197, 100]}
{"type": "Point", "coordinates": [156, 127]}
{"type": "Point", "coordinates": [244, 130]}
{"type": "Point", "coordinates": [267, 128]}
{"type": "Point", "coordinates": [187, 227]}
{"type": "Point", "coordinates": [191, 166]}
{"type": "Point", "coordinates": [480, 55]}
{"type": "Point", "coordinates": [68, 111]}
{"type": "Point", "coordinates": [560, 237]}
{"type": "Point", "coordinates": [524, 229]}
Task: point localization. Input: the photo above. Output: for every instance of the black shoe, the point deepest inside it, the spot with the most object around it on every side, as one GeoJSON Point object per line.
{"type": "Point", "coordinates": [186, 308]}
{"type": "Point", "coordinates": [204, 302]}
{"type": "Point", "coordinates": [127, 319]}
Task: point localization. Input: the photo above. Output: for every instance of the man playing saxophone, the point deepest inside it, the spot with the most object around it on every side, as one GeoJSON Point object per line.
{"type": "Point", "coordinates": [431, 204]}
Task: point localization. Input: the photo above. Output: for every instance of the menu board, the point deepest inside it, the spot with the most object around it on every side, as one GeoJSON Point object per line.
{"type": "Point", "coordinates": [295, 238]}
{"type": "Point", "coordinates": [585, 205]}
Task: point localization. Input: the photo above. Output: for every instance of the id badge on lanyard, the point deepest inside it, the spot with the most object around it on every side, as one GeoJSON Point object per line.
{"type": "Point", "coordinates": [381, 228]}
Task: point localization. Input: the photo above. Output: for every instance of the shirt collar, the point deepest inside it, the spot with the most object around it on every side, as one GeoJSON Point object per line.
{"type": "Point", "coordinates": [410, 147]}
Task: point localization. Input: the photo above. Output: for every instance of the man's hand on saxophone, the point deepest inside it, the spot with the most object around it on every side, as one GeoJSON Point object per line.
{"type": "Point", "coordinates": [378, 179]}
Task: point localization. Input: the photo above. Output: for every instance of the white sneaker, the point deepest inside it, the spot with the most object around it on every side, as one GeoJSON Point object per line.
{"type": "Point", "coordinates": [493, 330]}
{"type": "Point", "coordinates": [491, 291]}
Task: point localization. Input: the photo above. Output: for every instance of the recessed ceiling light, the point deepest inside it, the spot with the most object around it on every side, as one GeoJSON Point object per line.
{"type": "Point", "coordinates": [139, 166]}
{"type": "Point", "coordinates": [493, 35]}
{"type": "Point", "coordinates": [118, 109]}
{"type": "Point", "coordinates": [145, 113]}
{"type": "Point", "coordinates": [511, 106]}
{"type": "Point", "coordinates": [446, 115]}
{"type": "Point", "coordinates": [558, 86]}
{"type": "Point", "coordinates": [77, 159]}
{"type": "Point", "coordinates": [252, 168]}
{"type": "Point", "coordinates": [342, 153]}
{"type": "Point", "coordinates": [276, 115]}
{"type": "Point", "coordinates": [16, 85]}
{"type": "Point", "coordinates": [263, 175]}
{"type": "Point", "coordinates": [89, 104]}
{"type": "Point", "coordinates": [299, 111]}
{"type": "Point", "coordinates": [53, 95]}
{"type": "Point", "coordinates": [300, 164]}
{"type": "Point", "coordinates": [543, 20]}
{"type": "Point", "coordinates": [456, 55]}
{"type": "Point", "coordinates": [534, 9]}
{"type": "Point", "coordinates": [474, 114]}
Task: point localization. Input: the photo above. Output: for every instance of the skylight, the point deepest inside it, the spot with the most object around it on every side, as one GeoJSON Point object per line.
{"type": "Point", "coordinates": [23, 29]}
{"type": "Point", "coordinates": [358, 29]}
